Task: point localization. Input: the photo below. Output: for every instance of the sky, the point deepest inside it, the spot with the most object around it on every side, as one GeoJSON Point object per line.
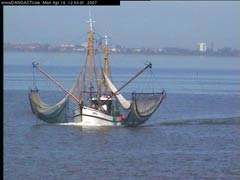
{"type": "Point", "coordinates": [153, 24]}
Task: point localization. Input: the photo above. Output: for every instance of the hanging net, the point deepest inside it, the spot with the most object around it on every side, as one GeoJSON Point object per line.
{"type": "Point", "coordinates": [57, 113]}
{"type": "Point", "coordinates": [143, 105]}
{"type": "Point", "coordinates": [48, 113]}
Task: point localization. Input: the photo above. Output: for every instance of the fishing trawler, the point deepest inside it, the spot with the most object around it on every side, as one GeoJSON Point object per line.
{"type": "Point", "coordinates": [97, 101]}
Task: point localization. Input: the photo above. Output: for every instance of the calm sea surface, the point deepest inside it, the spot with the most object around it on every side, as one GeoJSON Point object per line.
{"type": "Point", "coordinates": [195, 133]}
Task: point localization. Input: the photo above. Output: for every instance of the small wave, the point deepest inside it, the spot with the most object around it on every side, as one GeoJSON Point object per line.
{"type": "Point", "coordinates": [87, 126]}
{"type": "Point", "coordinates": [212, 121]}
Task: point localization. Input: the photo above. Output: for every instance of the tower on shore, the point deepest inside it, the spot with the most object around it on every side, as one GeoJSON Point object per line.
{"type": "Point", "coordinates": [202, 47]}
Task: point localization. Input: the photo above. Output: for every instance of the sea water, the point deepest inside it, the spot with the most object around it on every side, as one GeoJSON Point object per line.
{"type": "Point", "coordinates": [193, 135]}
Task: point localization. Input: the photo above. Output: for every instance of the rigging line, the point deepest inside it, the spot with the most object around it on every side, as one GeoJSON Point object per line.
{"type": "Point", "coordinates": [99, 35]}
{"type": "Point", "coordinates": [34, 80]}
{"type": "Point", "coordinates": [77, 81]}
{"type": "Point", "coordinates": [110, 70]}
{"type": "Point", "coordinates": [99, 75]}
{"type": "Point", "coordinates": [149, 65]}
{"type": "Point", "coordinates": [83, 76]}
{"type": "Point", "coordinates": [95, 64]}
{"type": "Point", "coordinates": [35, 65]}
{"type": "Point", "coordinates": [148, 80]}
{"type": "Point", "coordinates": [83, 73]}
{"type": "Point", "coordinates": [134, 77]}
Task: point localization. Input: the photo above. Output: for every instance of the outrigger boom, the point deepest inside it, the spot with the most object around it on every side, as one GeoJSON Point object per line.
{"type": "Point", "coordinates": [35, 65]}
{"type": "Point", "coordinates": [149, 65]}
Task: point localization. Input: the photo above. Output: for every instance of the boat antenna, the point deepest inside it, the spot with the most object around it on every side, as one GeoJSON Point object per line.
{"type": "Point", "coordinates": [89, 13]}
{"type": "Point", "coordinates": [90, 21]}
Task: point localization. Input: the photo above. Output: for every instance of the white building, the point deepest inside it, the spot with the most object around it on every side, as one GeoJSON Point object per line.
{"type": "Point", "coordinates": [202, 47]}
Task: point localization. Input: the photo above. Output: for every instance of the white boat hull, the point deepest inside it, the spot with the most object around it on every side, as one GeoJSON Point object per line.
{"type": "Point", "coordinates": [93, 117]}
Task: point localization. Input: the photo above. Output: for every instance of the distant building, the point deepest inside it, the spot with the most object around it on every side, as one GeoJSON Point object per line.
{"type": "Point", "coordinates": [113, 49]}
{"type": "Point", "coordinates": [202, 47]}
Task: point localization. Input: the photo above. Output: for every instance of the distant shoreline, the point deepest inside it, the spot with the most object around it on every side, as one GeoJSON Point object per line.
{"type": "Point", "coordinates": [126, 53]}
{"type": "Point", "coordinates": [64, 48]}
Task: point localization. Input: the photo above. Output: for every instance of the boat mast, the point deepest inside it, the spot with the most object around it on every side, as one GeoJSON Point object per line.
{"type": "Point", "coordinates": [90, 57]}
{"type": "Point", "coordinates": [106, 62]}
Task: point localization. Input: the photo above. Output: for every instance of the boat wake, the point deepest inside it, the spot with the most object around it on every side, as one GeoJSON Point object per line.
{"type": "Point", "coordinates": [212, 121]}
{"type": "Point", "coordinates": [82, 124]}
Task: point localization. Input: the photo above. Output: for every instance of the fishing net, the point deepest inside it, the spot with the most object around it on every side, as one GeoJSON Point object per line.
{"type": "Point", "coordinates": [143, 105]}
{"type": "Point", "coordinates": [57, 113]}
{"type": "Point", "coordinates": [48, 113]}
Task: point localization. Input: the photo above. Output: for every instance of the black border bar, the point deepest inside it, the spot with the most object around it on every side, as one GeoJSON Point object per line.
{"type": "Point", "coordinates": [61, 3]}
